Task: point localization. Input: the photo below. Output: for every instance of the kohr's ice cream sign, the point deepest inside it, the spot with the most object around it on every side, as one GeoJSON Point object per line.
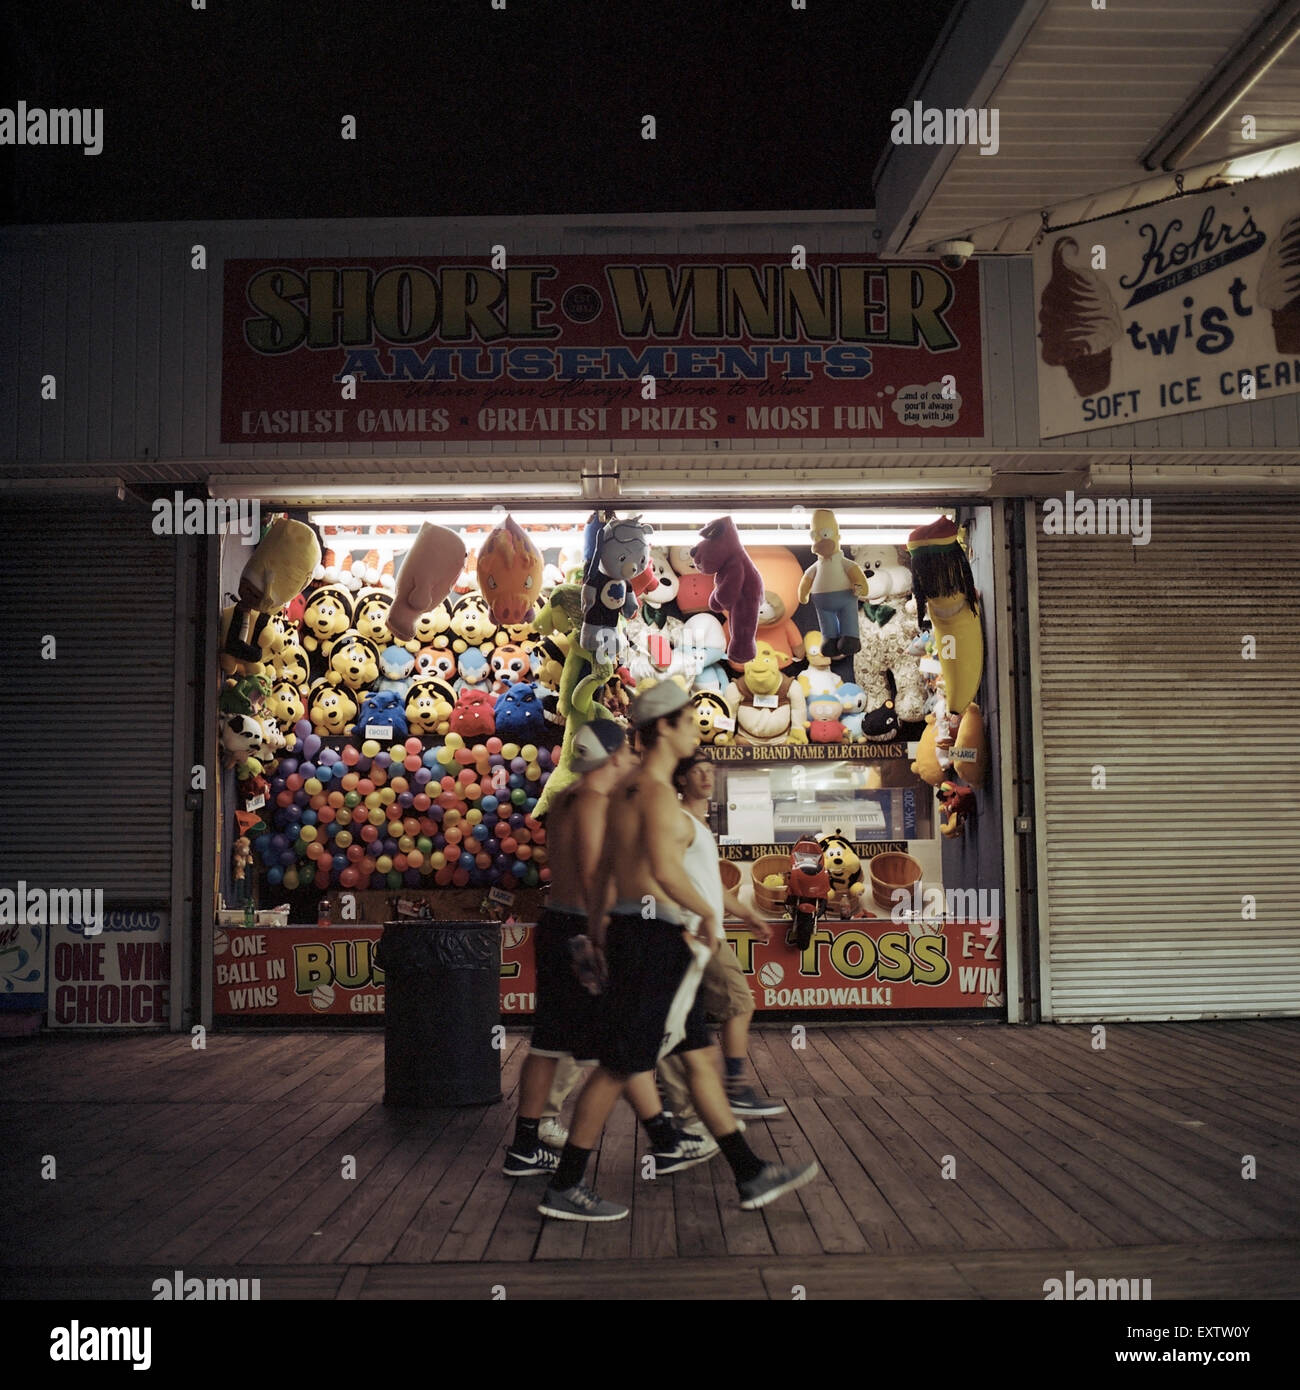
{"type": "Point", "coordinates": [1185, 305]}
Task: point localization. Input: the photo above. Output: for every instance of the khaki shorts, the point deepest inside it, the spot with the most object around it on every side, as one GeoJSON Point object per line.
{"type": "Point", "coordinates": [724, 991]}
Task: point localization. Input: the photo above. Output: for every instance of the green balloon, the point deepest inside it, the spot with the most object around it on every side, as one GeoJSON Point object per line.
{"type": "Point", "coordinates": [393, 878]}
{"type": "Point", "coordinates": [307, 874]}
{"type": "Point", "coordinates": [518, 796]}
{"type": "Point", "coordinates": [425, 845]}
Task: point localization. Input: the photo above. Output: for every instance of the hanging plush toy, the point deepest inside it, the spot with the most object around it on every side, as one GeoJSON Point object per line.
{"type": "Point", "coordinates": [835, 584]}
{"type": "Point", "coordinates": [693, 588]}
{"type": "Point", "coordinates": [252, 657]}
{"type": "Point", "coordinates": [781, 575]}
{"type": "Point", "coordinates": [428, 571]}
{"type": "Point", "coordinates": [946, 600]}
{"type": "Point", "coordinates": [509, 573]}
{"type": "Point", "coordinates": [621, 553]}
{"type": "Point", "coordinates": [958, 804]}
{"type": "Point", "coordinates": [704, 648]}
{"type": "Point", "coordinates": [767, 706]}
{"type": "Point", "coordinates": [280, 568]}
{"type": "Point", "coordinates": [737, 585]}
{"type": "Point", "coordinates": [662, 592]}
{"type": "Point", "coordinates": [887, 666]}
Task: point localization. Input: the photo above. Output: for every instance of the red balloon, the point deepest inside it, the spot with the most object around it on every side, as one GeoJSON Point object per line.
{"type": "Point", "coordinates": [539, 837]}
{"type": "Point", "coordinates": [379, 775]}
{"type": "Point", "coordinates": [351, 757]}
{"type": "Point", "coordinates": [508, 845]}
{"type": "Point", "coordinates": [442, 877]}
{"type": "Point", "coordinates": [365, 786]}
{"type": "Point", "coordinates": [460, 877]}
{"type": "Point", "coordinates": [348, 878]}
{"type": "Point", "coordinates": [360, 815]}
{"type": "Point", "coordinates": [463, 756]}
{"type": "Point", "coordinates": [400, 863]}
{"type": "Point", "coordinates": [544, 874]}
{"type": "Point", "coordinates": [326, 815]}
{"type": "Point", "coordinates": [412, 763]}
{"type": "Point", "coordinates": [493, 745]}
{"type": "Point", "coordinates": [317, 802]}
{"type": "Point", "coordinates": [369, 833]}
{"type": "Point", "coordinates": [293, 781]}
{"type": "Point", "coordinates": [484, 861]}
{"type": "Point", "coordinates": [411, 825]}
{"type": "Point", "coordinates": [466, 777]}
{"type": "Point", "coordinates": [413, 745]}
{"type": "Point", "coordinates": [400, 785]}
{"type": "Point", "coordinates": [449, 784]}
{"type": "Point", "coordinates": [421, 802]}
{"type": "Point", "coordinates": [428, 826]}
{"type": "Point", "coordinates": [355, 853]}
{"type": "Point", "coordinates": [284, 799]}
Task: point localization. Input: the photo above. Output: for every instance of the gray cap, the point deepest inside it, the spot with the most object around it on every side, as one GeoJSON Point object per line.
{"type": "Point", "coordinates": [656, 702]}
{"type": "Point", "coordinates": [594, 743]}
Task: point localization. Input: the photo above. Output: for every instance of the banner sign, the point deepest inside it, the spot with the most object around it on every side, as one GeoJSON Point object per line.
{"type": "Point", "coordinates": [599, 348]}
{"type": "Point", "coordinates": [118, 978]}
{"type": "Point", "coordinates": [1185, 305]}
{"type": "Point", "coordinates": [869, 963]}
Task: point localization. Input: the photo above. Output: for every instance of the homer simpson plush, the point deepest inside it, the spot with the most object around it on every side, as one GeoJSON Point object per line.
{"type": "Point", "coordinates": [835, 584]}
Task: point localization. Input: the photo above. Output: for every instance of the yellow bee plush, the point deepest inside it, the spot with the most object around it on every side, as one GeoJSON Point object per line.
{"type": "Point", "coordinates": [332, 709]}
{"type": "Point", "coordinates": [285, 705]}
{"type": "Point", "coordinates": [328, 616]}
{"type": "Point", "coordinates": [370, 617]}
{"type": "Point", "coordinates": [354, 662]}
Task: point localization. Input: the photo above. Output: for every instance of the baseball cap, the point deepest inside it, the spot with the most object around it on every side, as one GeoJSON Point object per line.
{"type": "Point", "coordinates": [656, 702]}
{"type": "Point", "coordinates": [594, 742]}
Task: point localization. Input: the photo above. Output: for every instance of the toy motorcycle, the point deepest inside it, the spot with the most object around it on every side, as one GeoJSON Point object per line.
{"type": "Point", "coordinates": [809, 888]}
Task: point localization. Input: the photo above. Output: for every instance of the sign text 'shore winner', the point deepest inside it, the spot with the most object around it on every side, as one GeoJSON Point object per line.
{"type": "Point", "coordinates": [565, 348]}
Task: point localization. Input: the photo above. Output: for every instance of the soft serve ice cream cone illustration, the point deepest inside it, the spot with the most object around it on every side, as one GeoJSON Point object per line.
{"type": "Point", "coordinates": [1279, 286]}
{"type": "Point", "coordinates": [1078, 322]}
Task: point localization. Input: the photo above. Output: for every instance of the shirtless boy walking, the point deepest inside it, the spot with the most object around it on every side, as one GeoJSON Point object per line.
{"type": "Point", "coordinates": [661, 933]}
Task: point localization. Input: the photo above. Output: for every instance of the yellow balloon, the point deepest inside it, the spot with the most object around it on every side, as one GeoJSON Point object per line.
{"type": "Point", "coordinates": [343, 839]}
{"type": "Point", "coordinates": [307, 833]}
{"type": "Point", "coordinates": [451, 816]}
{"type": "Point", "coordinates": [383, 863]}
{"type": "Point", "coordinates": [455, 741]}
{"type": "Point", "coordinates": [438, 859]}
{"type": "Point", "coordinates": [377, 817]}
{"type": "Point", "coordinates": [445, 757]}
{"type": "Point", "coordinates": [532, 772]}
{"type": "Point", "coordinates": [387, 796]}
{"type": "Point", "coordinates": [529, 752]}
{"type": "Point", "coordinates": [473, 816]}
{"type": "Point", "coordinates": [509, 750]}
{"type": "Point", "coordinates": [369, 748]}
{"type": "Point", "coordinates": [397, 752]}
{"type": "Point", "coordinates": [312, 785]}
{"type": "Point", "coordinates": [406, 844]}
{"type": "Point", "coordinates": [291, 878]}
{"type": "Point", "coordinates": [373, 800]}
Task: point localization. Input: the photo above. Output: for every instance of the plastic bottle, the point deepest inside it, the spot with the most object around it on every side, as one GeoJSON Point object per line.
{"type": "Point", "coordinates": [324, 913]}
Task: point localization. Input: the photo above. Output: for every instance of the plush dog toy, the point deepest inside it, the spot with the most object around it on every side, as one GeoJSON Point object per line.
{"type": "Point", "coordinates": [428, 571]}
{"type": "Point", "coordinates": [834, 584]}
{"type": "Point", "coordinates": [737, 585]}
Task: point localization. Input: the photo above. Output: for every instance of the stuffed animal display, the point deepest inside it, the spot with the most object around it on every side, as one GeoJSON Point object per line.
{"type": "Point", "coordinates": [834, 584]}
{"type": "Point", "coordinates": [737, 584]}
{"type": "Point", "coordinates": [767, 706]}
{"type": "Point", "coordinates": [509, 571]}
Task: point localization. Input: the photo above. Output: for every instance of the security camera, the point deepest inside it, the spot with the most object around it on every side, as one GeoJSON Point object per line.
{"type": "Point", "coordinates": [954, 254]}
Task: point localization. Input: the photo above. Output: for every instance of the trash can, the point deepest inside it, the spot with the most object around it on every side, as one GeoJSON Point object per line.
{"type": "Point", "coordinates": [442, 1003]}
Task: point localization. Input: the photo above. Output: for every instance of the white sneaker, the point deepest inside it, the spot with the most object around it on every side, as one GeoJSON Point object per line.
{"type": "Point", "coordinates": [553, 1134]}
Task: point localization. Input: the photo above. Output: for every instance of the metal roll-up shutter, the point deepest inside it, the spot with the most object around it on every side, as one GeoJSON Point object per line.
{"type": "Point", "coordinates": [1148, 883]}
{"type": "Point", "coordinates": [86, 779]}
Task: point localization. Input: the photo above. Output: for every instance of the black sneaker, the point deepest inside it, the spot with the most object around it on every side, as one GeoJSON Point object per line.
{"type": "Point", "coordinates": [774, 1182]}
{"type": "Point", "coordinates": [743, 1101]}
{"type": "Point", "coordinates": [688, 1149]}
{"type": "Point", "coordinates": [580, 1204]}
{"type": "Point", "coordinates": [541, 1161]}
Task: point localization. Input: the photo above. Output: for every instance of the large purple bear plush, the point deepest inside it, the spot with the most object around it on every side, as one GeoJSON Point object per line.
{"type": "Point", "coordinates": [737, 585]}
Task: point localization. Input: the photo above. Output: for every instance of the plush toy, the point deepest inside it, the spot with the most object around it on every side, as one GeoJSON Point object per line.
{"type": "Point", "coordinates": [429, 569]}
{"type": "Point", "coordinates": [328, 615]}
{"type": "Point", "coordinates": [472, 714]}
{"type": "Point", "coordinates": [285, 705]}
{"type": "Point", "coordinates": [713, 716]}
{"type": "Point", "coordinates": [637, 634]}
{"type": "Point", "coordinates": [818, 679]}
{"type": "Point", "coordinates": [471, 624]}
{"type": "Point", "coordinates": [331, 708]}
{"type": "Point", "coordinates": [429, 703]}
{"type": "Point", "coordinates": [888, 663]}
{"type": "Point", "coordinates": [519, 715]}
{"type": "Point", "coordinates": [396, 669]}
{"type": "Point", "coordinates": [767, 706]}
{"type": "Point", "coordinates": [246, 736]}
{"type": "Point", "coordinates": [848, 882]}
{"type": "Point", "coordinates": [353, 661]}
{"type": "Point", "coordinates": [246, 695]}
{"type": "Point", "coordinates": [781, 577]}
{"type": "Point", "coordinates": [824, 724]}
{"type": "Point", "coordinates": [958, 804]}
{"type": "Point", "coordinates": [383, 707]}
{"type": "Point", "coordinates": [970, 752]}
{"type": "Point", "coordinates": [926, 765]}
{"type": "Point", "coordinates": [431, 661]}
{"type": "Point", "coordinates": [703, 646]}
{"type": "Point", "coordinates": [241, 857]}
{"type": "Point", "coordinates": [693, 588]}
{"type": "Point", "coordinates": [473, 671]}
{"type": "Point", "coordinates": [737, 584]}
{"type": "Point", "coordinates": [431, 628]}
{"type": "Point", "coordinates": [834, 584]}
{"type": "Point", "coordinates": [853, 706]}
{"type": "Point", "coordinates": [252, 657]}
{"type": "Point", "coordinates": [275, 572]}
{"type": "Point", "coordinates": [509, 666]}
{"type": "Point", "coordinates": [880, 725]}
{"type": "Point", "coordinates": [664, 589]}
{"type": "Point", "coordinates": [946, 600]}
{"type": "Point", "coordinates": [622, 551]}
{"type": "Point", "coordinates": [509, 571]}
{"type": "Point", "coordinates": [370, 617]}
{"type": "Point", "coordinates": [291, 664]}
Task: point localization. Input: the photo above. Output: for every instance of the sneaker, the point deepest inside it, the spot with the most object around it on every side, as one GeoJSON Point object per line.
{"type": "Point", "coordinates": [553, 1134]}
{"type": "Point", "coordinates": [743, 1101]}
{"type": "Point", "coordinates": [689, 1149]}
{"type": "Point", "coordinates": [531, 1165]}
{"type": "Point", "coordinates": [774, 1182]}
{"type": "Point", "coordinates": [580, 1204]}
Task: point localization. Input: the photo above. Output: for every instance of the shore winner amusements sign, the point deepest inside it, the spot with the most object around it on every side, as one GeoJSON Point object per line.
{"type": "Point", "coordinates": [560, 348]}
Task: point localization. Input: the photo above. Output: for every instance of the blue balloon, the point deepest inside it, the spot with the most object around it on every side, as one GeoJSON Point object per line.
{"type": "Point", "coordinates": [340, 862]}
{"type": "Point", "coordinates": [480, 833]}
{"type": "Point", "coordinates": [530, 803]}
{"type": "Point", "coordinates": [287, 765]}
{"type": "Point", "coordinates": [492, 845]}
{"type": "Point", "coordinates": [262, 842]}
{"type": "Point", "coordinates": [277, 785]}
{"type": "Point", "coordinates": [516, 820]}
{"type": "Point", "coordinates": [288, 858]}
{"type": "Point", "coordinates": [292, 814]}
{"type": "Point", "coordinates": [275, 876]}
{"type": "Point", "coordinates": [516, 781]}
{"type": "Point", "coordinates": [309, 817]}
{"type": "Point", "coordinates": [466, 858]}
{"type": "Point", "coordinates": [390, 847]}
{"type": "Point", "coordinates": [488, 804]}
{"type": "Point", "coordinates": [429, 758]}
{"type": "Point", "coordinates": [519, 868]}
{"type": "Point", "coordinates": [502, 862]}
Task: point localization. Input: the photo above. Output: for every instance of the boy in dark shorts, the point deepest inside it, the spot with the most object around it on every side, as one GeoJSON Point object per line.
{"type": "Point", "coordinates": [565, 1013]}
{"type": "Point", "coordinates": [662, 931]}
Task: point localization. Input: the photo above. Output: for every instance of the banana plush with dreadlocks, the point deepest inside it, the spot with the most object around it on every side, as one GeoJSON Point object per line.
{"type": "Point", "coordinates": [944, 588]}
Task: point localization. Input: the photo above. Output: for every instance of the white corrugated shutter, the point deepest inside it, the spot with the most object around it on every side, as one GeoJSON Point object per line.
{"type": "Point", "coordinates": [1142, 674]}
{"type": "Point", "coordinates": [86, 742]}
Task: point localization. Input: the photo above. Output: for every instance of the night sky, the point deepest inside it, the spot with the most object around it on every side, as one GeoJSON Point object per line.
{"type": "Point", "coordinates": [235, 111]}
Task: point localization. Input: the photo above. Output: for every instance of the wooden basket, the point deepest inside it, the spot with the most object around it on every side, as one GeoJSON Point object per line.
{"type": "Point", "coordinates": [730, 875]}
{"type": "Point", "coordinates": [770, 899]}
{"type": "Point", "coordinates": [890, 871]}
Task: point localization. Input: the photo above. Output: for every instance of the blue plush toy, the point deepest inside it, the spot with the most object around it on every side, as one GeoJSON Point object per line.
{"type": "Point", "coordinates": [383, 707]}
{"type": "Point", "coordinates": [396, 670]}
{"type": "Point", "coordinates": [474, 671]}
{"type": "Point", "coordinates": [853, 701]}
{"type": "Point", "coordinates": [520, 715]}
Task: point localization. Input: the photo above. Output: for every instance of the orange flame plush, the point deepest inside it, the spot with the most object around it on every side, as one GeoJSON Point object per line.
{"type": "Point", "coordinates": [510, 574]}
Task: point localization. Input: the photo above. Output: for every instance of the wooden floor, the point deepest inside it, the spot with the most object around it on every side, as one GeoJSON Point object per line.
{"type": "Point", "coordinates": [957, 1162]}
